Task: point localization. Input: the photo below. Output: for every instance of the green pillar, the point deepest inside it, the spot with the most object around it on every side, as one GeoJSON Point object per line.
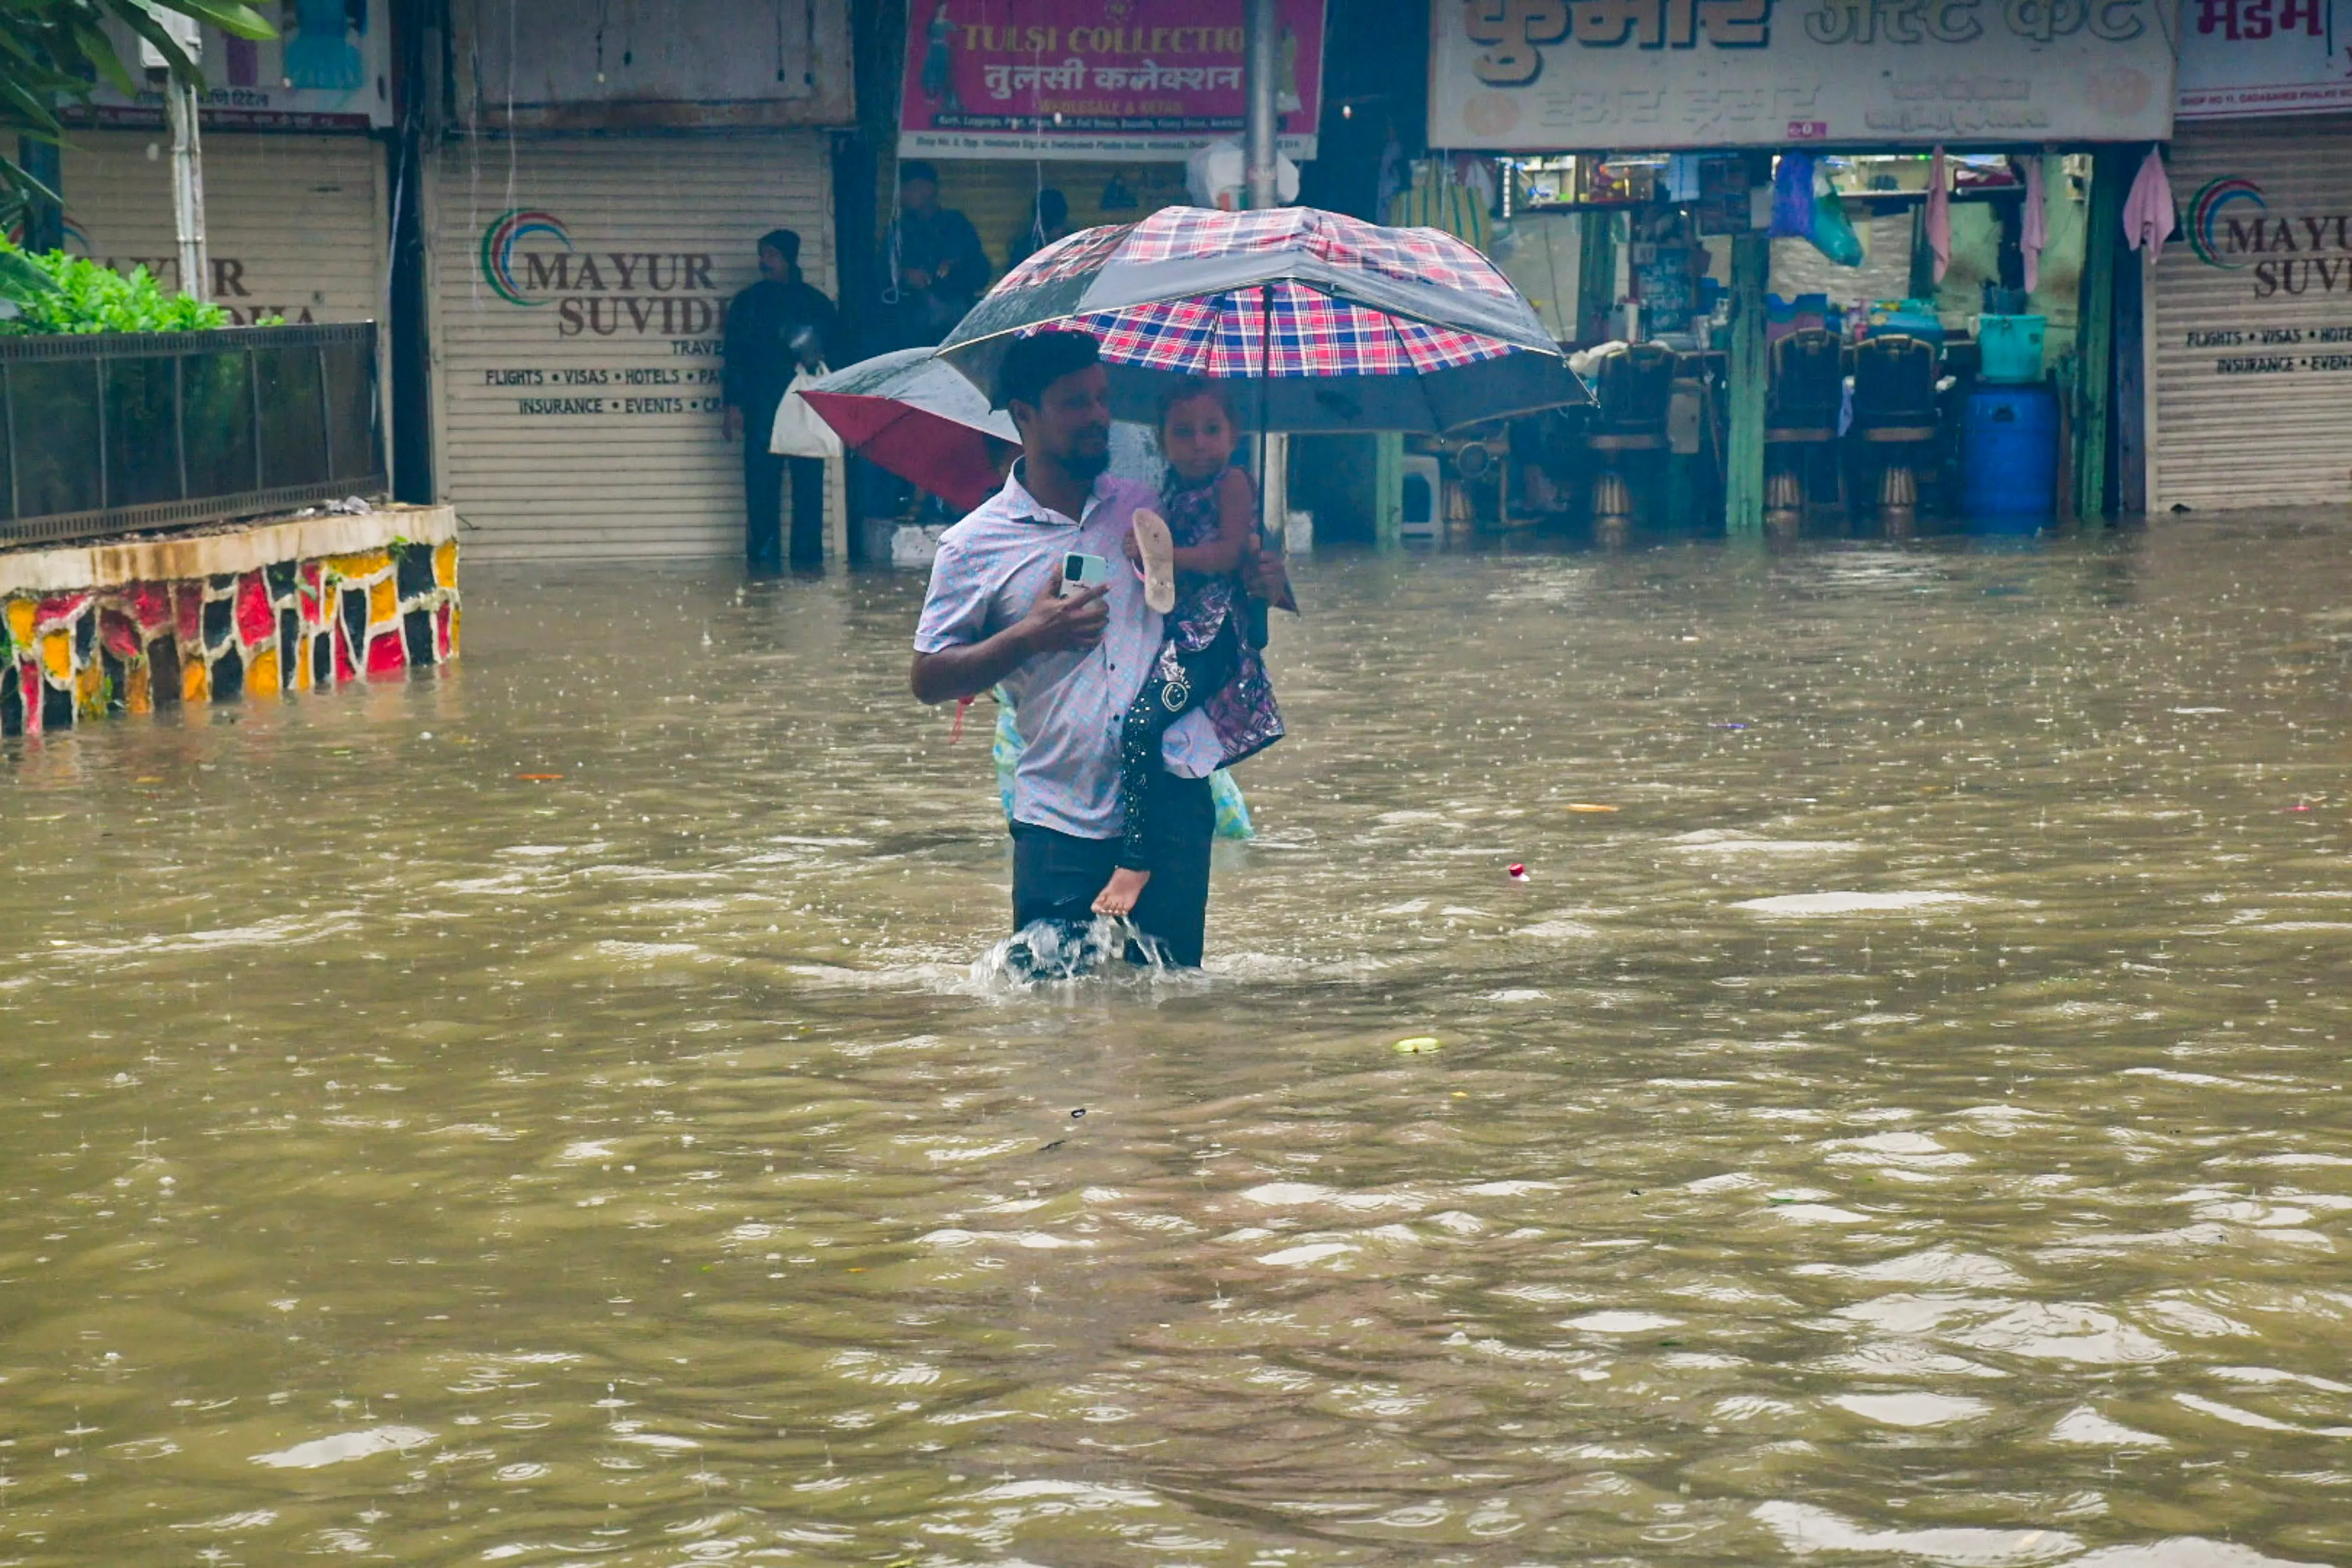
{"type": "Point", "coordinates": [1596, 273]}
{"type": "Point", "coordinates": [2094, 339]}
{"type": "Point", "coordinates": [1743, 482]}
{"type": "Point", "coordinates": [1388, 490]}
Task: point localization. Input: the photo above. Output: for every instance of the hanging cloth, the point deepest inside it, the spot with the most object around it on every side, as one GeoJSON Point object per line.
{"type": "Point", "coordinates": [1939, 216]}
{"type": "Point", "coordinates": [2148, 213]}
{"type": "Point", "coordinates": [2033, 232]}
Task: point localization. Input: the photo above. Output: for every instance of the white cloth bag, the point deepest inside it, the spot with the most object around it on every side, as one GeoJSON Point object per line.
{"type": "Point", "coordinates": [798, 432]}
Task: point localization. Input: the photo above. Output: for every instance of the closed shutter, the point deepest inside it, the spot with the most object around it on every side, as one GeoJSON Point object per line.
{"type": "Point", "coordinates": [579, 289]}
{"type": "Point", "coordinates": [2253, 319]}
{"type": "Point", "coordinates": [294, 224]}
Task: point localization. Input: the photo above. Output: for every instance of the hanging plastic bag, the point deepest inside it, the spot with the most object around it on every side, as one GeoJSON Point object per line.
{"type": "Point", "coordinates": [1793, 196]}
{"type": "Point", "coordinates": [798, 432]}
{"type": "Point", "coordinates": [1831, 234]}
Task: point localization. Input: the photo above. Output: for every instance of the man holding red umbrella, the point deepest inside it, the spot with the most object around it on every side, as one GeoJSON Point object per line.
{"type": "Point", "coordinates": [1070, 665]}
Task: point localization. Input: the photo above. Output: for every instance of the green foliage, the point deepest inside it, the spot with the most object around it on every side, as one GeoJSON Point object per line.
{"type": "Point", "coordinates": [53, 52]}
{"type": "Point", "coordinates": [86, 296]}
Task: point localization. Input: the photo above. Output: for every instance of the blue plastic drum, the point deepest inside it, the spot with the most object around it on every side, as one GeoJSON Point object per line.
{"type": "Point", "coordinates": [2008, 452]}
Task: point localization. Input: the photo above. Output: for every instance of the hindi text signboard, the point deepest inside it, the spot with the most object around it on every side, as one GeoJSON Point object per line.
{"type": "Point", "coordinates": [1067, 79]}
{"type": "Point", "coordinates": [1656, 75]}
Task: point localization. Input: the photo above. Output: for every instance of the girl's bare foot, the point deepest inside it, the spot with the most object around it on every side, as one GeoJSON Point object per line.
{"type": "Point", "coordinates": [1156, 548]}
{"type": "Point", "coordinates": [1119, 895]}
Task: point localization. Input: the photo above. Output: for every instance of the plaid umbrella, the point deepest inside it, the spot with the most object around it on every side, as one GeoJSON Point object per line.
{"type": "Point", "coordinates": [1327, 323]}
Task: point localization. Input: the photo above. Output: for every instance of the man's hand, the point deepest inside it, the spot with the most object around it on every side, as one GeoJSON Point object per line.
{"type": "Point", "coordinates": [732, 422]}
{"type": "Point", "coordinates": [1054, 623]}
{"type": "Point", "coordinates": [1267, 581]}
{"type": "Point", "coordinates": [1134, 549]}
{"type": "Point", "coordinates": [915, 277]}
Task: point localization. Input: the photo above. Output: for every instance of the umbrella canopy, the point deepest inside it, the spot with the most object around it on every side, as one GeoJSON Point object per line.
{"type": "Point", "coordinates": [1324, 322]}
{"type": "Point", "coordinates": [910, 414]}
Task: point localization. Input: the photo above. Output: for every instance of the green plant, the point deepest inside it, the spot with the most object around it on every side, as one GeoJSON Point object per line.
{"type": "Point", "coordinates": [83, 295]}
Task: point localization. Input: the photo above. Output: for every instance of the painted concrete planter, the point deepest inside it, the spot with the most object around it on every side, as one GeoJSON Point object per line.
{"type": "Point", "coordinates": [259, 610]}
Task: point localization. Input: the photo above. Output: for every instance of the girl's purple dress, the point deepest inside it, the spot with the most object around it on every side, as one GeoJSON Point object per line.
{"type": "Point", "coordinates": [1243, 711]}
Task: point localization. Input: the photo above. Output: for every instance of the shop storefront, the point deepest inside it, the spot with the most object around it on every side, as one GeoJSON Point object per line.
{"type": "Point", "coordinates": [1762, 218]}
{"type": "Point", "coordinates": [2249, 320]}
{"type": "Point", "coordinates": [587, 232]}
{"type": "Point", "coordinates": [580, 290]}
{"type": "Point", "coordinates": [295, 182]}
{"type": "Point", "coordinates": [1009, 101]}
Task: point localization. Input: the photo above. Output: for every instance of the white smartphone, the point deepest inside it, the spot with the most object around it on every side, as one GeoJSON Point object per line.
{"type": "Point", "coordinates": [1081, 571]}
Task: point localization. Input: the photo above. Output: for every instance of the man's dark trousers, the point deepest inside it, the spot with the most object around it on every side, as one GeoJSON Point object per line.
{"type": "Point", "coordinates": [763, 504]}
{"type": "Point", "coordinates": [1056, 876]}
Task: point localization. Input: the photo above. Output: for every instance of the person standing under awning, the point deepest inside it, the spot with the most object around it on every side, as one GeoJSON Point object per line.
{"type": "Point", "coordinates": [774, 327]}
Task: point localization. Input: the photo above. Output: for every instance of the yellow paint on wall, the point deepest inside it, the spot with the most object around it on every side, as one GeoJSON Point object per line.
{"type": "Point", "coordinates": [456, 625]}
{"type": "Point", "coordinates": [56, 656]}
{"type": "Point", "coordinates": [299, 678]}
{"type": "Point", "coordinates": [89, 689]}
{"type": "Point", "coordinates": [20, 622]}
{"type": "Point", "coordinates": [360, 567]}
{"type": "Point", "coordinates": [139, 687]}
{"type": "Point", "coordinates": [195, 681]}
{"type": "Point", "coordinates": [383, 604]}
{"type": "Point", "coordinates": [444, 564]}
{"type": "Point", "coordinates": [261, 676]}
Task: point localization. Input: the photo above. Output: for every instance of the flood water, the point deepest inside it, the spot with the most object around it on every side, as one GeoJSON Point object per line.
{"type": "Point", "coordinates": [1909, 1127]}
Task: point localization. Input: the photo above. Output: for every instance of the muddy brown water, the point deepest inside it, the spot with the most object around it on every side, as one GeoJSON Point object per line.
{"type": "Point", "coordinates": [1910, 1126]}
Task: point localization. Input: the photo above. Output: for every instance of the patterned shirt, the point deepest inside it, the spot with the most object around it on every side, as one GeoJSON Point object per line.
{"type": "Point", "coordinates": [1068, 706]}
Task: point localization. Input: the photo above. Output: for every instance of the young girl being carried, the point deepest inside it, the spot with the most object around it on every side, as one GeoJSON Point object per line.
{"type": "Point", "coordinates": [1191, 560]}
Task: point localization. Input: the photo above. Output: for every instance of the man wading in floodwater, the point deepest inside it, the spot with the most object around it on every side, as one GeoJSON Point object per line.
{"type": "Point", "coordinates": [1070, 668]}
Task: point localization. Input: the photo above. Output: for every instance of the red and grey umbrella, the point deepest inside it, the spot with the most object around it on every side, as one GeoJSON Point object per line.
{"type": "Point", "coordinates": [1323, 323]}
{"type": "Point", "coordinates": [910, 414]}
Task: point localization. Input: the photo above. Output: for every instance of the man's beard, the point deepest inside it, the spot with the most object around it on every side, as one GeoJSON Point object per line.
{"type": "Point", "coordinates": [1088, 463]}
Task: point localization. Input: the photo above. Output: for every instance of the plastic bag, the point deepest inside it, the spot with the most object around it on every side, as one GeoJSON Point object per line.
{"type": "Point", "coordinates": [1793, 196]}
{"type": "Point", "coordinates": [797, 431]}
{"type": "Point", "coordinates": [1830, 233]}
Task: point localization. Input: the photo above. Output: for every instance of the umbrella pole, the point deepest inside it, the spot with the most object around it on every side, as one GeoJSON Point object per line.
{"type": "Point", "coordinates": [1253, 608]}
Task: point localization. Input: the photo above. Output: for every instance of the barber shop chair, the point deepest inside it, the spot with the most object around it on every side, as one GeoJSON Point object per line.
{"type": "Point", "coordinates": [1801, 419]}
{"type": "Point", "coordinates": [1631, 392]}
{"type": "Point", "coordinates": [1894, 415]}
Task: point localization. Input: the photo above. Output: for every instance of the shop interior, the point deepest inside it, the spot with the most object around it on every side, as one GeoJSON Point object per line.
{"type": "Point", "coordinates": [1917, 349]}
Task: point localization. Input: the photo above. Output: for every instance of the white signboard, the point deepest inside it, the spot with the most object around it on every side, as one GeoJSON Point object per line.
{"type": "Point", "coordinates": [324, 71]}
{"type": "Point", "coordinates": [2243, 57]}
{"type": "Point", "coordinates": [1655, 75]}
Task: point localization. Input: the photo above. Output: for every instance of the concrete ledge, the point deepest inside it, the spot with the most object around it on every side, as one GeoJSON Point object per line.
{"type": "Point", "coordinates": [248, 612]}
{"type": "Point", "coordinates": [244, 547]}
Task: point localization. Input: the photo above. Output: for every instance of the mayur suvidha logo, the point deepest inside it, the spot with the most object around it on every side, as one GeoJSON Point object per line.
{"type": "Point", "coordinates": [498, 241]}
{"type": "Point", "coordinates": [529, 258]}
{"type": "Point", "coordinates": [2231, 227]}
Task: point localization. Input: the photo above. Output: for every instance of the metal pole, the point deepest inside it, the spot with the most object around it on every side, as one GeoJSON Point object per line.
{"type": "Point", "coordinates": [188, 188]}
{"type": "Point", "coordinates": [1258, 143]}
{"type": "Point", "coordinates": [1258, 147]}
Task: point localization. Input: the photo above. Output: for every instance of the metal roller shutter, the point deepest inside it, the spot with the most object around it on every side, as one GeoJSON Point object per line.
{"type": "Point", "coordinates": [2253, 319]}
{"type": "Point", "coordinates": [295, 223]}
{"type": "Point", "coordinates": [578, 291]}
